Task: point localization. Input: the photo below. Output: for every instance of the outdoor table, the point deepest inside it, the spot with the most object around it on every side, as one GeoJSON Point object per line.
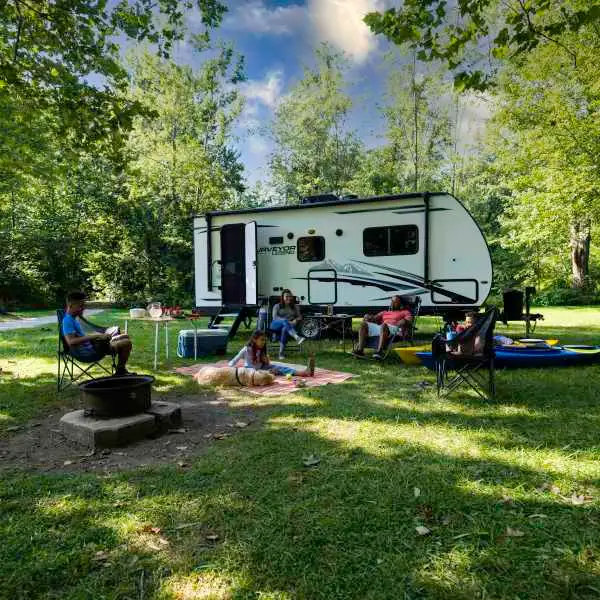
{"type": "Point", "coordinates": [325, 323]}
{"type": "Point", "coordinates": [164, 319]}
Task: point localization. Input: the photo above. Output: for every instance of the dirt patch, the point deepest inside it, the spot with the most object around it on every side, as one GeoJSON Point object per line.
{"type": "Point", "coordinates": [207, 419]}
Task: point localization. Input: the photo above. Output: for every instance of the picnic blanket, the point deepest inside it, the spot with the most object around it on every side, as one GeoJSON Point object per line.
{"type": "Point", "coordinates": [281, 385]}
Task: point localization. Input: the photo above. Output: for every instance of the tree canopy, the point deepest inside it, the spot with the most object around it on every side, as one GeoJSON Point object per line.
{"type": "Point", "coordinates": [59, 61]}
{"type": "Point", "coordinates": [461, 33]}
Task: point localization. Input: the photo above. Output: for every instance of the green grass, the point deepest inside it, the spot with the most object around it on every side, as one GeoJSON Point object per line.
{"type": "Point", "coordinates": [342, 529]}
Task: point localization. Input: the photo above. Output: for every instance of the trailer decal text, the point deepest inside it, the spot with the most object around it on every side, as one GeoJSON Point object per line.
{"type": "Point", "coordinates": [277, 250]}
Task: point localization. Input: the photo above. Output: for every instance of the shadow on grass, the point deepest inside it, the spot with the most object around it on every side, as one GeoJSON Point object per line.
{"type": "Point", "coordinates": [249, 520]}
{"type": "Point", "coordinates": [252, 517]}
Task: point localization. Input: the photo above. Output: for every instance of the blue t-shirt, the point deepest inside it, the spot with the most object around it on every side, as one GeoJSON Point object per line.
{"type": "Point", "coordinates": [71, 326]}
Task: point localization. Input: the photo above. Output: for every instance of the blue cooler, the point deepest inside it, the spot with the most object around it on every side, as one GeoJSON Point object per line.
{"type": "Point", "coordinates": [208, 341]}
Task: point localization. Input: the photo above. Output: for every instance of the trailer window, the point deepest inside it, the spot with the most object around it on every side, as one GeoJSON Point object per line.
{"type": "Point", "coordinates": [311, 249]}
{"type": "Point", "coordinates": [391, 241]}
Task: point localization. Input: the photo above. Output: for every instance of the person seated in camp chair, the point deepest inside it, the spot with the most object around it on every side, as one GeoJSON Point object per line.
{"type": "Point", "coordinates": [384, 325]}
{"type": "Point", "coordinates": [92, 347]}
{"type": "Point", "coordinates": [286, 317]}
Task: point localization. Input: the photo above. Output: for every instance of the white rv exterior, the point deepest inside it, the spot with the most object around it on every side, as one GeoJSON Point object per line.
{"type": "Point", "coordinates": [354, 254]}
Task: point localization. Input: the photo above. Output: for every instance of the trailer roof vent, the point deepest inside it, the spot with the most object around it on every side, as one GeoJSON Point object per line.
{"type": "Point", "coordinates": [319, 198]}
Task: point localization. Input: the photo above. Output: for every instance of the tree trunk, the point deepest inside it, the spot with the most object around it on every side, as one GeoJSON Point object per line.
{"type": "Point", "coordinates": [416, 120]}
{"type": "Point", "coordinates": [580, 252]}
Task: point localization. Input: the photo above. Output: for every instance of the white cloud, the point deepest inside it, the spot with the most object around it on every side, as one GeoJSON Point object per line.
{"type": "Point", "coordinates": [340, 22]}
{"type": "Point", "coordinates": [267, 91]}
{"type": "Point", "coordinates": [258, 145]}
{"type": "Point", "coordinates": [255, 17]}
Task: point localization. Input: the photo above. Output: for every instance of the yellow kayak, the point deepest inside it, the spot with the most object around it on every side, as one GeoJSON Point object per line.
{"type": "Point", "coordinates": [409, 355]}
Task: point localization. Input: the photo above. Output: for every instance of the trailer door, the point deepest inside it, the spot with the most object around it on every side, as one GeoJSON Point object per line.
{"type": "Point", "coordinates": [251, 270]}
{"type": "Point", "coordinates": [207, 294]}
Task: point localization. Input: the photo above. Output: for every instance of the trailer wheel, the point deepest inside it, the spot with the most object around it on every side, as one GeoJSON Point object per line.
{"type": "Point", "coordinates": [309, 328]}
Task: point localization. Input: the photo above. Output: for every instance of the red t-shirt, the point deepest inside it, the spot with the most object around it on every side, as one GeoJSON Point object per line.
{"type": "Point", "coordinates": [393, 317]}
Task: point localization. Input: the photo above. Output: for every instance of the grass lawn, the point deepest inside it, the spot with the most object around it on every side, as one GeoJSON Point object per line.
{"type": "Point", "coordinates": [509, 490]}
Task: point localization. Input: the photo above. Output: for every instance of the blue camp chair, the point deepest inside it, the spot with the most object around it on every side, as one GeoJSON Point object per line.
{"type": "Point", "coordinates": [71, 369]}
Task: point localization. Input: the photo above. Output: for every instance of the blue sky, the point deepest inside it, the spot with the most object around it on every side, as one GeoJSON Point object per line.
{"type": "Point", "coordinates": [278, 37]}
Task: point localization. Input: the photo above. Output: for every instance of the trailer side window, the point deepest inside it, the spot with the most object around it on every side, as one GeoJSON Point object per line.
{"type": "Point", "coordinates": [391, 241]}
{"type": "Point", "coordinates": [311, 249]}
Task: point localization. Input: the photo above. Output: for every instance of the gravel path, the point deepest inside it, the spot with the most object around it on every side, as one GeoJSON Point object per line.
{"type": "Point", "coordinates": [35, 321]}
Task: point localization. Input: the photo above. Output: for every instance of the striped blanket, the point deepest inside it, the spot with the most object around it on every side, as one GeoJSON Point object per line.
{"type": "Point", "coordinates": [281, 385]}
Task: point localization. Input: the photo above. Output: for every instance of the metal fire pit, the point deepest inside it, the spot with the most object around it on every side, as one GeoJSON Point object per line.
{"type": "Point", "coordinates": [109, 397]}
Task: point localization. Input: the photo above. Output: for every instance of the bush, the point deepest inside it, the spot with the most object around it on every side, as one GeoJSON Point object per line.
{"type": "Point", "coordinates": [566, 297]}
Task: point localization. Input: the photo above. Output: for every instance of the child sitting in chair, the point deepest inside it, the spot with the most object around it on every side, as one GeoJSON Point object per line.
{"type": "Point", "coordinates": [255, 356]}
{"type": "Point", "coordinates": [469, 321]}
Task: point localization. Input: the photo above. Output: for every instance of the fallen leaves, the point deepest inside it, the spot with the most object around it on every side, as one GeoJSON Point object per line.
{"type": "Point", "coordinates": [575, 499]}
{"type": "Point", "coordinates": [422, 530]}
{"type": "Point", "coordinates": [510, 532]}
{"type": "Point", "coordinates": [578, 500]}
{"type": "Point", "coordinates": [100, 556]}
{"type": "Point", "coordinates": [311, 460]}
{"type": "Point", "coordinates": [151, 529]}
{"type": "Point", "coordinates": [426, 512]}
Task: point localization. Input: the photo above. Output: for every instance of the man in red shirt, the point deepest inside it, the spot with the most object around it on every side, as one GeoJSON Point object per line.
{"type": "Point", "coordinates": [384, 325]}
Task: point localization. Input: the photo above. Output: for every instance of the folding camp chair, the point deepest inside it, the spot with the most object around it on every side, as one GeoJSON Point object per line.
{"type": "Point", "coordinates": [71, 369]}
{"type": "Point", "coordinates": [274, 336]}
{"type": "Point", "coordinates": [404, 335]}
{"type": "Point", "coordinates": [470, 355]}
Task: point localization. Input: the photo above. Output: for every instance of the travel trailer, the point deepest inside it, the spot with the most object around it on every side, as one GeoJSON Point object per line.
{"type": "Point", "coordinates": [352, 253]}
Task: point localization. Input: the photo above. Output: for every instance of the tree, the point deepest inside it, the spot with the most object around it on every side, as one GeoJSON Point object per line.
{"type": "Point", "coordinates": [59, 62]}
{"type": "Point", "coordinates": [547, 142]}
{"type": "Point", "coordinates": [453, 32]}
{"type": "Point", "coordinates": [181, 163]}
{"type": "Point", "coordinates": [418, 126]}
{"type": "Point", "coordinates": [315, 151]}
{"type": "Point", "coordinates": [418, 151]}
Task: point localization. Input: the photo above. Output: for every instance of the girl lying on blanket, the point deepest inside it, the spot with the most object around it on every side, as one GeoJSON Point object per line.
{"type": "Point", "coordinates": [255, 356]}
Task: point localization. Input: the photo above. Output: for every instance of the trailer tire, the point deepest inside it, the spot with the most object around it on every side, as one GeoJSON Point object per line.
{"type": "Point", "coordinates": [310, 328]}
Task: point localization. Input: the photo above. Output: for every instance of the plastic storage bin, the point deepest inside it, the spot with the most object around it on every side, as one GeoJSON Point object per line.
{"type": "Point", "coordinates": [208, 341]}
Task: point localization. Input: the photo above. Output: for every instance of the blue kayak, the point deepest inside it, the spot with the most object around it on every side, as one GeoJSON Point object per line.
{"type": "Point", "coordinates": [519, 357]}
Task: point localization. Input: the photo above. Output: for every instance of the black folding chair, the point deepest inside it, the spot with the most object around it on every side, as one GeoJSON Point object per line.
{"type": "Point", "coordinates": [71, 369]}
{"type": "Point", "coordinates": [404, 335]}
{"type": "Point", "coordinates": [470, 355]}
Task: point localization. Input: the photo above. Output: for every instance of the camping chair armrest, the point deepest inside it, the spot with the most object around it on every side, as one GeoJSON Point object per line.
{"type": "Point", "coordinates": [98, 328]}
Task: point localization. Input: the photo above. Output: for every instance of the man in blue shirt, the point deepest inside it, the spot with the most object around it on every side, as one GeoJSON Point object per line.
{"type": "Point", "coordinates": [90, 347]}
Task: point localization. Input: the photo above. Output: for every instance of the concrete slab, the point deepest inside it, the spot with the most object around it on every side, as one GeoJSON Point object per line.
{"type": "Point", "coordinates": [107, 433]}
{"type": "Point", "coordinates": [166, 414]}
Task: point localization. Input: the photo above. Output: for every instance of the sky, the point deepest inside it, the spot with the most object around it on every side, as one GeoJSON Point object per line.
{"type": "Point", "coordinates": [278, 37]}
